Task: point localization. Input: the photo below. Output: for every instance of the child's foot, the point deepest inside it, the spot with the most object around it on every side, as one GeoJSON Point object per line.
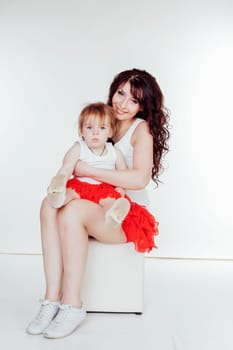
{"type": "Point", "coordinates": [118, 211]}
{"type": "Point", "coordinates": [66, 322]}
{"type": "Point", "coordinates": [57, 191]}
{"type": "Point", "coordinates": [48, 311]}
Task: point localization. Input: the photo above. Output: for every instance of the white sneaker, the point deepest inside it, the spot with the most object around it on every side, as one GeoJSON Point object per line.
{"type": "Point", "coordinates": [48, 311]}
{"type": "Point", "coordinates": [66, 322]}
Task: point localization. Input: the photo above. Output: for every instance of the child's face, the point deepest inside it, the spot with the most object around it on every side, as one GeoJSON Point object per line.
{"type": "Point", "coordinates": [96, 131]}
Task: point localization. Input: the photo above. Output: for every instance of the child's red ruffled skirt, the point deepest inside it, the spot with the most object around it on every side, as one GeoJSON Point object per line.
{"type": "Point", "coordinates": [139, 226]}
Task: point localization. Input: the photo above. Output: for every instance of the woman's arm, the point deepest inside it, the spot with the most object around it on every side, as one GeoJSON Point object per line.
{"type": "Point", "coordinates": [137, 177]}
{"type": "Point", "coordinates": [69, 161]}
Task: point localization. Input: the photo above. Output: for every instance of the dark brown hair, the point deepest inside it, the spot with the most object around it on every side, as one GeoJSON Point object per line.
{"type": "Point", "coordinates": [145, 89]}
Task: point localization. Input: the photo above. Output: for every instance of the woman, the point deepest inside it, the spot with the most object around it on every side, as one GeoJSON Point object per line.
{"type": "Point", "coordinates": [142, 137]}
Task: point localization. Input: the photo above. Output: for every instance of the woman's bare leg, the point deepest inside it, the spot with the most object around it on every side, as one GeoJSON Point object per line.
{"type": "Point", "coordinates": [77, 220]}
{"type": "Point", "coordinates": [74, 243]}
{"type": "Point", "coordinates": [52, 258]}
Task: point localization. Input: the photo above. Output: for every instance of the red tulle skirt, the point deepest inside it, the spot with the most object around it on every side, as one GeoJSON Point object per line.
{"type": "Point", "coordinates": [139, 226]}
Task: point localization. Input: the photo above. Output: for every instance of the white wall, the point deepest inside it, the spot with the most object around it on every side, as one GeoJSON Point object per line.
{"type": "Point", "coordinates": [57, 55]}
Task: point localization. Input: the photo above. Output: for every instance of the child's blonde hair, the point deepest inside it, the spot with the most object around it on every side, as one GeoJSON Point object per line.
{"type": "Point", "coordinates": [100, 110]}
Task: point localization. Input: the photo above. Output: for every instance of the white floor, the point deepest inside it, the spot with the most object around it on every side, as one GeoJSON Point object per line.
{"type": "Point", "coordinates": [188, 305]}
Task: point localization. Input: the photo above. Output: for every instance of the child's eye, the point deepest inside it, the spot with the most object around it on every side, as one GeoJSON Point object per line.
{"type": "Point", "coordinates": [89, 127]}
{"type": "Point", "coordinates": [103, 127]}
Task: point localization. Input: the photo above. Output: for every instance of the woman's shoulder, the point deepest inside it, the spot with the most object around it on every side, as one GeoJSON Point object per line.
{"type": "Point", "coordinates": [136, 125]}
{"type": "Point", "coordinates": [141, 127]}
{"type": "Point", "coordinates": [141, 133]}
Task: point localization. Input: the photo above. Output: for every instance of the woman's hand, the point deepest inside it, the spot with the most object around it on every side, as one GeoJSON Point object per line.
{"type": "Point", "coordinates": [82, 168]}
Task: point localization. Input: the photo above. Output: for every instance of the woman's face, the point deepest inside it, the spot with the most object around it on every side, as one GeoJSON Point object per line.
{"type": "Point", "coordinates": [124, 104]}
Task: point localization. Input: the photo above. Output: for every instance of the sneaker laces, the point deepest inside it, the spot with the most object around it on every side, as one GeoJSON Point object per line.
{"type": "Point", "coordinates": [45, 309]}
{"type": "Point", "coordinates": [64, 313]}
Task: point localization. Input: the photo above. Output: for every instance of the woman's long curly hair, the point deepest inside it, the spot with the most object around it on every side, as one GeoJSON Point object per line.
{"type": "Point", "coordinates": [146, 90]}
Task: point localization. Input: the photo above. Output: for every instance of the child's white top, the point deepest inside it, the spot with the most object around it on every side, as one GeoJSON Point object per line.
{"type": "Point", "coordinates": [106, 161]}
{"type": "Point", "coordinates": [125, 146]}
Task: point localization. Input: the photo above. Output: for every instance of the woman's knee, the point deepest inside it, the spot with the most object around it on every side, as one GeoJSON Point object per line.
{"type": "Point", "coordinates": [72, 219]}
{"type": "Point", "coordinates": [46, 211]}
{"type": "Point", "coordinates": [76, 211]}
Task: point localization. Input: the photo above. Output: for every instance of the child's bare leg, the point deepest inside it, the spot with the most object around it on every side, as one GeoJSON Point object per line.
{"type": "Point", "coordinates": [106, 203]}
{"type": "Point", "coordinates": [70, 195]}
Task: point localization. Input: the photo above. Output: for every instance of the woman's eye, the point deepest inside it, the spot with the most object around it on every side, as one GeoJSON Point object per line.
{"type": "Point", "coordinates": [103, 127]}
{"type": "Point", "coordinates": [134, 101]}
{"type": "Point", "coordinates": [89, 127]}
{"type": "Point", "coordinates": [120, 92]}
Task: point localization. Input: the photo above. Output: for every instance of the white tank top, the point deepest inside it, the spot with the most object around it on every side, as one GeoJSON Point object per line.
{"type": "Point", "coordinates": [106, 161]}
{"type": "Point", "coordinates": [125, 146]}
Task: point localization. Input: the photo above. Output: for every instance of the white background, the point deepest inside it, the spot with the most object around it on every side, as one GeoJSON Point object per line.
{"type": "Point", "coordinates": [55, 56]}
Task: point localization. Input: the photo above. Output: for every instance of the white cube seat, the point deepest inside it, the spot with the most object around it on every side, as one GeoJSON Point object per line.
{"type": "Point", "coordinates": [114, 278]}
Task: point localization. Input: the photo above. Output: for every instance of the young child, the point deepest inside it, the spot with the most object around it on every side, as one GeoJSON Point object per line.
{"type": "Point", "coordinates": [97, 123]}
